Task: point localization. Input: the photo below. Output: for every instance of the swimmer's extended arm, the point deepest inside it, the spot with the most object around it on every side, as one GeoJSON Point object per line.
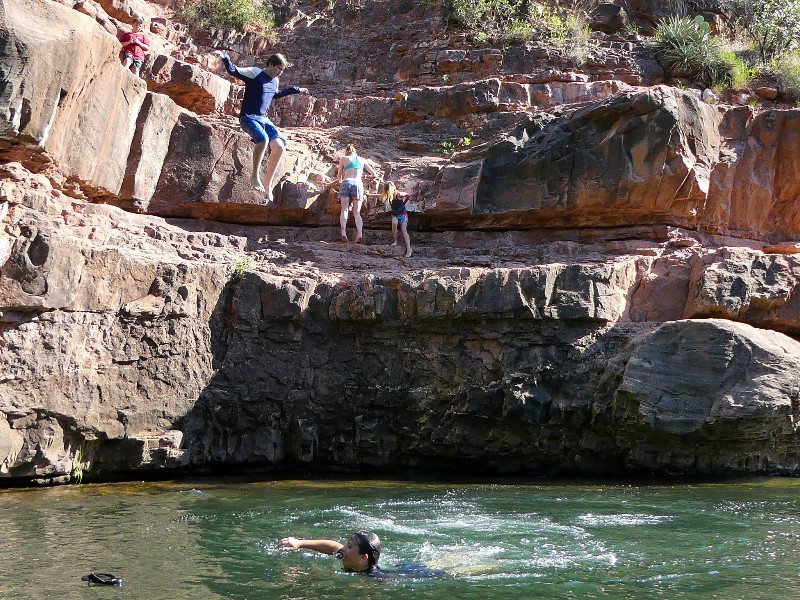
{"type": "Point", "coordinates": [324, 546]}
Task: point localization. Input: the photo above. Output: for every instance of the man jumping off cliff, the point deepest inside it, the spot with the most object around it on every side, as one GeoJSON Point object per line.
{"type": "Point", "coordinates": [260, 87]}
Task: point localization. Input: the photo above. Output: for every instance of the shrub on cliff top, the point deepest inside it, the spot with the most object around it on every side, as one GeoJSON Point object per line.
{"type": "Point", "coordinates": [517, 21]}
{"type": "Point", "coordinates": [230, 14]}
{"type": "Point", "coordinates": [772, 26]}
{"type": "Point", "coordinates": [686, 48]}
{"type": "Point", "coordinates": [786, 70]}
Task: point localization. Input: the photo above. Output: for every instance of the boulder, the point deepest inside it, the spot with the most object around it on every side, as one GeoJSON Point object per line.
{"type": "Point", "coordinates": [149, 149]}
{"type": "Point", "coordinates": [766, 92]}
{"type": "Point", "coordinates": [206, 174]}
{"type": "Point", "coordinates": [639, 157]}
{"type": "Point", "coordinates": [608, 18]}
{"type": "Point", "coordinates": [188, 85]}
{"type": "Point", "coordinates": [747, 285]}
{"type": "Point", "coordinates": [708, 397]}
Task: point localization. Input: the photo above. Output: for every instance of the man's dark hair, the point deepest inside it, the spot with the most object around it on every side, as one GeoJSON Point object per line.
{"type": "Point", "coordinates": [277, 60]}
{"type": "Point", "coordinates": [369, 544]}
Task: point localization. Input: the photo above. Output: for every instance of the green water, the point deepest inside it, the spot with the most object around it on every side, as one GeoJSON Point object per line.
{"type": "Point", "coordinates": [216, 539]}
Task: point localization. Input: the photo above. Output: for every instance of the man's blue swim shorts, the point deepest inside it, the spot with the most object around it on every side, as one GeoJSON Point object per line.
{"type": "Point", "coordinates": [260, 129]}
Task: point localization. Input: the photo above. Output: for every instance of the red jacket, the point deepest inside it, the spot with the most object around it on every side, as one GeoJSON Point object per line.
{"type": "Point", "coordinates": [136, 51]}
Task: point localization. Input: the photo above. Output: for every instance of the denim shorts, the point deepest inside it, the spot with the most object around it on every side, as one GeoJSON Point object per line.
{"type": "Point", "coordinates": [136, 62]}
{"type": "Point", "coordinates": [401, 218]}
{"type": "Point", "coordinates": [351, 189]}
{"type": "Point", "coordinates": [260, 129]}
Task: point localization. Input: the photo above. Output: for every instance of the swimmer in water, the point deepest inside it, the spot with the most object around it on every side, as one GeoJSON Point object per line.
{"type": "Point", "coordinates": [360, 553]}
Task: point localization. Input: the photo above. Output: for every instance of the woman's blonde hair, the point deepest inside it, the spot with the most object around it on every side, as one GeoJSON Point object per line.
{"type": "Point", "coordinates": [351, 149]}
{"type": "Point", "coordinates": [388, 191]}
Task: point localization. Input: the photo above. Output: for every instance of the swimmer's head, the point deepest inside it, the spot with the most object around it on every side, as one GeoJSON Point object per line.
{"type": "Point", "coordinates": [362, 551]}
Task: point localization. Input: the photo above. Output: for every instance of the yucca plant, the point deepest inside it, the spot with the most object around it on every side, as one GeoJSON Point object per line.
{"type": "Point", "coordinates": [685, 47]}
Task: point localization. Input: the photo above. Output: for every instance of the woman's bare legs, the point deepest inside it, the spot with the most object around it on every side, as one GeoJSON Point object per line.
{"type": "Point", "coordinates": [344, 209]}
{"type": "Point", "coordinates": [357, 218]}
{"type": "Point", "coordinates": [394, 231]}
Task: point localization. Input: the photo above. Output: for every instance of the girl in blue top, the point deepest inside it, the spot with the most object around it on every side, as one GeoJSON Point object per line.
{"type": "Point", "coordinates": [399, 215]}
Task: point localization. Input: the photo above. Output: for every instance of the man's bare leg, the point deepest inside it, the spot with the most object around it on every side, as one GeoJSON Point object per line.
{"type": "Point", "coordinates": [275, 153]}
{"type": "Point", "coordinates": [258, 157]}
{"type": "Point", "coordinates": [343, 214]}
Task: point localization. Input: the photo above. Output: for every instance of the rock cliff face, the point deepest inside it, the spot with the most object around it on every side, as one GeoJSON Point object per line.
{"type": "Point", "coordinates": [603, 281]}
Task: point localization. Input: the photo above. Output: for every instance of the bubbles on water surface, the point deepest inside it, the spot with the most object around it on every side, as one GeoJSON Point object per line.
{"type": "Point", "coordinates": [623, 519]}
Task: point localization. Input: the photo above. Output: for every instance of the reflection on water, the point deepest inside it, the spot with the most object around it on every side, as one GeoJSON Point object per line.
{"type": "Point", "coordinates": [216, 539]}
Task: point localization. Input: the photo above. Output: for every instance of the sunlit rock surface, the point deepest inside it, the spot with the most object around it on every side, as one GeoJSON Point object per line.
{"type": "Point", "coordinates": [603, 278]}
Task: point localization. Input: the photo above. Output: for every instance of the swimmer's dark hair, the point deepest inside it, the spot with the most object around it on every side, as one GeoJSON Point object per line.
{"type": "Point", "coordinates": [369, 544]}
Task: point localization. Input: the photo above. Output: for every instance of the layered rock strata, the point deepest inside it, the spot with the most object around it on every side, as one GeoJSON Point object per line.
{"type": "Point", "coordinates": [130, 342]}
{"type": "Point", "coordinates": [603, 278]}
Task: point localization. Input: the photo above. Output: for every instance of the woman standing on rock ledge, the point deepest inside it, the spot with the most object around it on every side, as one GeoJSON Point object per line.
{"type": "Point", "coordinates": [351, 189]}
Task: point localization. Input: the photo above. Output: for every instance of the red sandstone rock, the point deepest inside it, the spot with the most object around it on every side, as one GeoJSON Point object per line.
{"type": "Point", "coordinates": [523, 326]}
{"type": "Point", "coordinates": [189, 86]}
{"type": "Point", "coordinates": [80, 116]}
{"type": "Point", "coordinates": [767, 93]}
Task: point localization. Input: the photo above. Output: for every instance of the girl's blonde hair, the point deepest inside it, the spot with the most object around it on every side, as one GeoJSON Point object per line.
{"type": "Point", "coordinates": [388, 191]}
{"type": "Point", "coordinates": [351, 149]}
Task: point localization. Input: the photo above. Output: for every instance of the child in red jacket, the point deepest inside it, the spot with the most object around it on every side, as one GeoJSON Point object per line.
{"type": "Point", "coordinates": [134, 45]}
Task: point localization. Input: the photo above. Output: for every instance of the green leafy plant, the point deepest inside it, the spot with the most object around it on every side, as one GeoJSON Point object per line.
{"type": "Point", "coordinates": [231, 14]}
{"type": "Point", "coordinates": [686, 48]}
{"type": "Point", "coordinates": [514, 22]}
{"type": "Point", "coordinates": [446, 148]}
{"type": "Point", "coordinates": [772, 26]}
{"type": "Point", "coordinates": [578, 43]}
{"type": "Point", "coordinates": [76, 474]}
{"type": "Point", "coordinates": [481, 38]}
{"type": "Point", "coordinates": [631, 28]}
{"type": "Point", "coordinates": [236, 270]}
{"type": "Point", "coordinates": [731, 71]}
{"type": "Point", "coordinates": [519, 30]}
{"type": "Point", "coordinates": [449, 147]}
{"type": "Point", "coordinates": [786, 70]}
{"type": "Point", "coordinates": [482, 14]}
